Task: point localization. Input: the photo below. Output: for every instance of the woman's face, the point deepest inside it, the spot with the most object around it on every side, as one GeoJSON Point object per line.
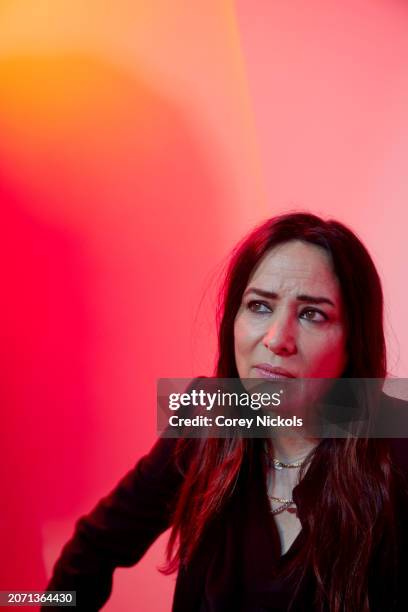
{"type": "Point", "coordinates": [291, 321]}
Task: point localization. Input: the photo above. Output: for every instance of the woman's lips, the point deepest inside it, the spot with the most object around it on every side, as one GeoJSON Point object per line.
{"type": "Point", "coordinates": [266, 371]}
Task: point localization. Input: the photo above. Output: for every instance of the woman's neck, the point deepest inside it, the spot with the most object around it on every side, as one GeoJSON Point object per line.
{"type": "Point", "coordinates": [289, 449]}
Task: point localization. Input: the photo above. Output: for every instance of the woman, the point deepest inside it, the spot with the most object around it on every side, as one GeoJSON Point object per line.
{"type": "Point", "coordinates": [294, 524]}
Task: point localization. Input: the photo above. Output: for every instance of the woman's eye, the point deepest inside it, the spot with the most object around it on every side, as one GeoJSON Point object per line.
{"type": "Point", "coordinates": [316, 316]}
{"type": "Point", "coordinates": [258, 307]}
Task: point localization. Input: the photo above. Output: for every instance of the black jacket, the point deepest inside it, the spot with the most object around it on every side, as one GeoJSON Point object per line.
{"type": "Point", "coordinates": [237, 565]}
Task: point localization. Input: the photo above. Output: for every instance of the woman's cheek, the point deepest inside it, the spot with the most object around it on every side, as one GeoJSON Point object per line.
{"type": "Point", "coordinates": [329, 362]}
{"type": "Point", "coordinates": [244, 334]}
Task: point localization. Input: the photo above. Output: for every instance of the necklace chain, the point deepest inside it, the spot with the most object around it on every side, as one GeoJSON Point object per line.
{"type": "Point", "coordinates": [282, 507]}
{"type": "Point", "coordinates": [282, 500]}
{"type": "Point", "coordinates": [284, 503]}
{"type": "Point", "coordinates": [279, 465]}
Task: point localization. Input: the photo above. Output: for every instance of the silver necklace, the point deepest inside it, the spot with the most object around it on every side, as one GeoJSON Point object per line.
{"type": "Point", "coordinates": [285, 503]}
{"type": "Point", "coordinates": [279, 465]}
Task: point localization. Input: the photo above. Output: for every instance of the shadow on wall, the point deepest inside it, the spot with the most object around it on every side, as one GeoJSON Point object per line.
{"type": "Point", "coordinates": [108, 212]}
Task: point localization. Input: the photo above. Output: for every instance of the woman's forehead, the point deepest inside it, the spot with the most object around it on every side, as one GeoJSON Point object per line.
{"type": "Point", "coordinates": [295, 263]}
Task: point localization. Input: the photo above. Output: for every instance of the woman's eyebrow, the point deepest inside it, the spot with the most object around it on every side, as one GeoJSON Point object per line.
{"type": "Point", "coordinates": [311, 299]}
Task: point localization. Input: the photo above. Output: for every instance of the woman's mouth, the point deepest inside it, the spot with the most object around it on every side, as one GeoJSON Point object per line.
{"type": "Point", "coordinates": [264, 370]}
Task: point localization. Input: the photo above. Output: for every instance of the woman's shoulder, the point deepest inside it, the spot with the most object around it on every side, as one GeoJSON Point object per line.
{"type": "Point", "coordinates": [172, 452]}
{"type": "Point", "coordinates": [395, 411]}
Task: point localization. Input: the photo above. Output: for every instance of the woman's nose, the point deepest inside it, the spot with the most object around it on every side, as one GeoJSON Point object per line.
{"type": "Point", "coordinates": [280, 337]}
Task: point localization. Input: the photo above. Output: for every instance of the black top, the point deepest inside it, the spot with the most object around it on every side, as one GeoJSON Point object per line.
{"type": "Point", "coordinates": [237, 567]}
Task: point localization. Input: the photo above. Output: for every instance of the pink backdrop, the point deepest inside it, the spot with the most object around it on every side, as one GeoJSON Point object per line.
{"type": "Point", "coordinates": [137, 144]}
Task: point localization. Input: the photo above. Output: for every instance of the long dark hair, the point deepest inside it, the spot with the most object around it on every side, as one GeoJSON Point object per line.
{"type": "Point", "coordinates": [356, 500]}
